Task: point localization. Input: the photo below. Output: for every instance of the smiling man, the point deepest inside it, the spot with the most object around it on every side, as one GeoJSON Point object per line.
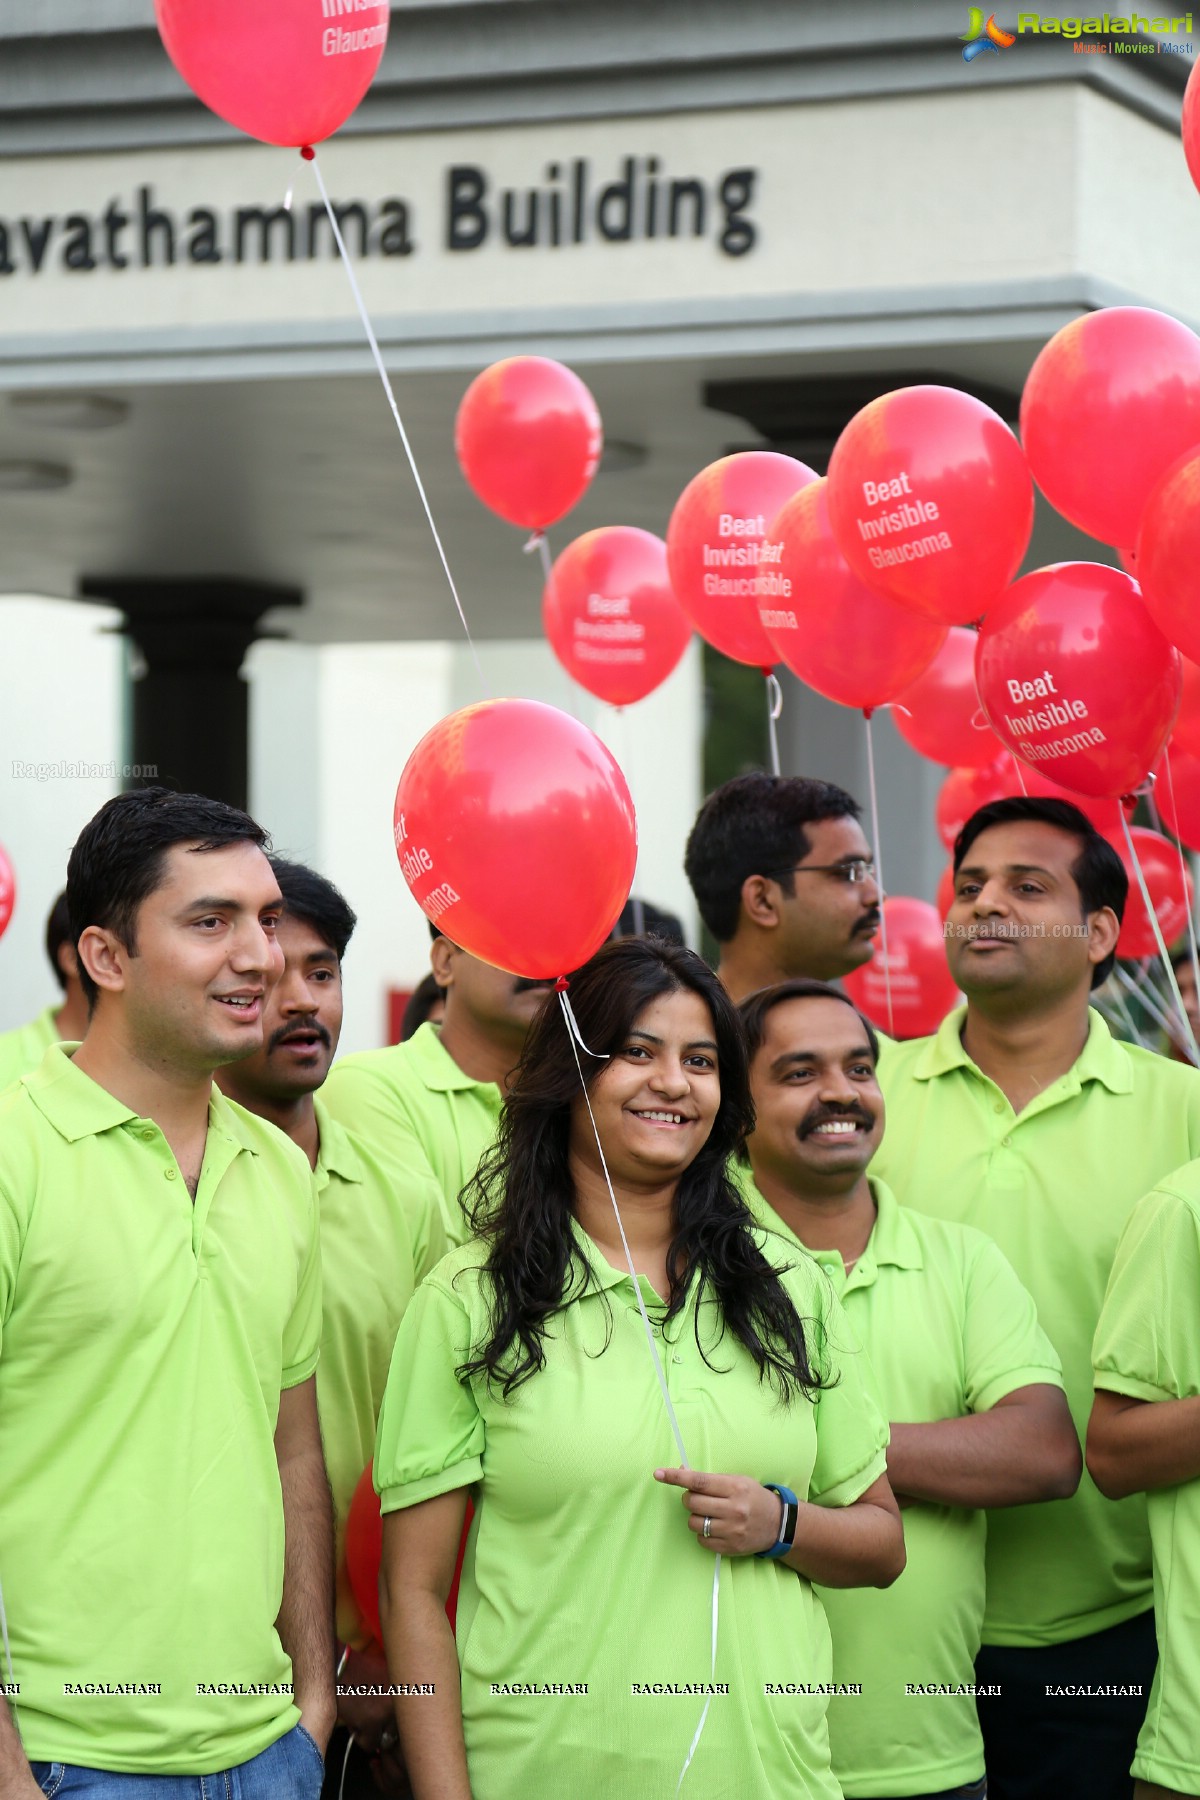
{"type": "Point", "coordinates": [1024, 1117]}
{"type": "Point", "coordinates": [784, 880]}
{"type": "Point", "coordinates": [969, 1381]}
{"type": "Point", "coordinates": [165, 1529]}
{"type": "Point", "coordinates": [380, 1235]}
{"type": "Point", "coordinates": [436, 1098]}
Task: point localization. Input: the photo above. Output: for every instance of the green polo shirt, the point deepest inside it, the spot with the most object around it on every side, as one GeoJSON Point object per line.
{"type": "Point", "coordinates": [979, 1340]}
{"type": "Point", "coordinates": [580, 1567]}
{"type": "Point", "coordinates": [379, 1238]}
{"type": "Point", "coordinates": [1148, 1346]}
{"type": "Point", "coordinates": [24, 1048]}
{"type": "Point", "coordinates": [413, 1097]}
{"type": "Point", "coordinates": [1053, 1185]}
{"type": "Point", "coordinates": [144, 1342]}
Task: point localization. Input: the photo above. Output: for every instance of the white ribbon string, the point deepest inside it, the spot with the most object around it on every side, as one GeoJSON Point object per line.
{"type": "Point", "coordinates": [1120, 1008]}
{"type": "Point", "coordinates": [576, 1039]}
{"type": "Point", "coordinates": [878, 854]}
{"type": "Point", "coordinates": [1144, 992]}
{"type": "Point", "coordinates": [12, 1680]}
{"type": "Point", "coordinates": [1190, 1044]}
{"type": "Point", "coordinates": [1183, 874]}
{"type": "Point", "coordinates": [539, 543]}
{"type": "Point", "coordinates": [391, 399]}
{"type": "Point", "coordinates": [774, 709]}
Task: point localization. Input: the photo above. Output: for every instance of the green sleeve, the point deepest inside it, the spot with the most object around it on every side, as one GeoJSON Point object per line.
{"type": "Point", "coordinates": [1004, 1347]}
{"type": "Point", "coordinates": [852, 1428]}
{"type": "Point", "coordinates": [431, 1434]}
{"type": "Point", "coordinates": [302, 1336]}
{"type": "Point", "coordinates": [1147, 1342]}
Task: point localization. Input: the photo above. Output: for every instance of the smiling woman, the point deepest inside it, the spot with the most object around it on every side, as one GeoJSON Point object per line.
{"type": "Point", "coordinates": [522, 1375]}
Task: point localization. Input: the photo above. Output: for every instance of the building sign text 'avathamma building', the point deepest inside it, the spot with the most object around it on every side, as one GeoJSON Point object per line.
{"type": "Point", "coordinates": [574, 202]}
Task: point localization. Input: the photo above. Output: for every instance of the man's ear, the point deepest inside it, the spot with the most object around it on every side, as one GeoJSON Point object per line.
{"type": "Point", "coordinates": [441, 960]}
{"type": "Point", "coordinates": [760, 901]}
{"type": "Point", "coordinates": [105, 958]}
{"type": "Point", "coordinates": [1104, 929]}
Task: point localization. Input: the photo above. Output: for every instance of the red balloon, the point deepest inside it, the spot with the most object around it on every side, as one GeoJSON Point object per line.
{"type": "Point", "coordinates": [1104, 812]}
{"type": "Point", "coordinates": [8, 892]}
{"type": "Point", "coordinates": [723, 562]}
{"type": "Point", "coordinates": [1076, 677]}
{"type": "Point", "coordinates": [1187, 724]}
{"type": "Point", "coordinates": [1166, 555]}
{"type": "Point", "coordinates": [364, 1551]}
{"type": "Point", "coordinates": [964, 791]}
{"type": "Point", "coordinates": [611, 616]}
{"type": "Point", "coordinates": [923, 989]}
{"type": "Point", "coordinates": [1191, 125]}
{"type": "Point", "coordinates": [516, 835]}
{"type": "Point", "coordinates": [931, 500]}
{"type": "Point", "coordinates": [845, 639]}
{"type": "Point", "coordinates": [941, 717]}
{"type": "Point", "coordinates": [278, 69]}
{"type": "Point", "coordinates": [1170, 892]}
{"type": "Point", "coordinates": [528, 439]}
{"type": "Point", "coordinates": [1110, 403]}
{"type": "Point", "coordinates": [1177, 794]}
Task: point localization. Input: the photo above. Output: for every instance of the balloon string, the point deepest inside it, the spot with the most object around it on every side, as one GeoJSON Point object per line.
{"type": "Point", "coordinates": [1157, 1004]}
{"type": "Point", "coordinates": [577, 1039]}
{"type": "Point", "coordinates": [1183, 874]}
{"type": "Point", "coordinates": [1121, 1007]}
{"type": "Point", "coordinates": [887, 966]}
{"type": "Point", "coordinates": [540, 543]}
{"type": "Point", "coordinates": [1189, 1034]}
{"type": "Point", "coordinates": [391, 399]}
{"type": "Point", "coordinates": [1146, 995]}
{"type": "Point", "coordinates": [774, 708]}
{"type": "Point", "coordinates": [1019, 772]}
{"type": "Point", "coordinates": [12, 1680]}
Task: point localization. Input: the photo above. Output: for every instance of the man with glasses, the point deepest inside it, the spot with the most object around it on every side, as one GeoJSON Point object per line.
{"type": "Point", "coordinates": [784, 880]}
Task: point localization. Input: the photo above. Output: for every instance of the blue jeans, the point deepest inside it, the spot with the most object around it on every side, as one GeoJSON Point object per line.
{"type": "Point", "coordinates": [292, 1768]}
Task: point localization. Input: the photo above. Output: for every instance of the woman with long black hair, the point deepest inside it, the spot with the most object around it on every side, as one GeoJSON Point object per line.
{"type": "Point", "coordinates": [523, 1376]}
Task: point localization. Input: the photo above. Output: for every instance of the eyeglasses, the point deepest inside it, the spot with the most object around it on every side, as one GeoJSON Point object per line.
{"type": "Point", "coordinates": [856, 871]}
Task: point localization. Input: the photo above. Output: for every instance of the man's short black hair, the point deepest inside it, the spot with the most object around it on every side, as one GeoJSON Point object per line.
{"type": "Point", "coordinates": [309, 896]}
{"type": "Point", "coordinates": [754, 825]}
{"type": "Point", "coordinates": [58, 933]}
{"type": "Point", "coordinates": [118, 857]}
{"type": "Point", "coordinates": [754, 1009]}
{"type": "Point", "coordinates": [1097, 871]}
{"type": "Point", "coordinates": [640, 918]}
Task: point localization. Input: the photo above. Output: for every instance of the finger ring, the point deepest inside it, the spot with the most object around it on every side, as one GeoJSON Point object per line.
{"type": "Point", "coordinates": [707, 1532]}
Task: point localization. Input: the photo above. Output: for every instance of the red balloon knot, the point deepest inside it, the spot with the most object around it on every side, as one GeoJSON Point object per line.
{"type": "Point", "coordinates": [1129, 803]}
{"type": "Point", "coordinates": [868, 713]}
{"type": "Point", "coordinates": [561, 985]}
{"type": "Point", "coordinates": [307, 152]}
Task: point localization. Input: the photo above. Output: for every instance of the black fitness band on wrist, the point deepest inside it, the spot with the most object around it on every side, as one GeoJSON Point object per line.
{"type": "Point", "coordinates": [787, 1530]}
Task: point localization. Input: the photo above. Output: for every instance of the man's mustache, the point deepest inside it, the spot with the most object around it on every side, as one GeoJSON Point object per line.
{"type": "Point", "coordinates": [822, 1115]}
{"type": "Point", "coordinates": [285, 1032]}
